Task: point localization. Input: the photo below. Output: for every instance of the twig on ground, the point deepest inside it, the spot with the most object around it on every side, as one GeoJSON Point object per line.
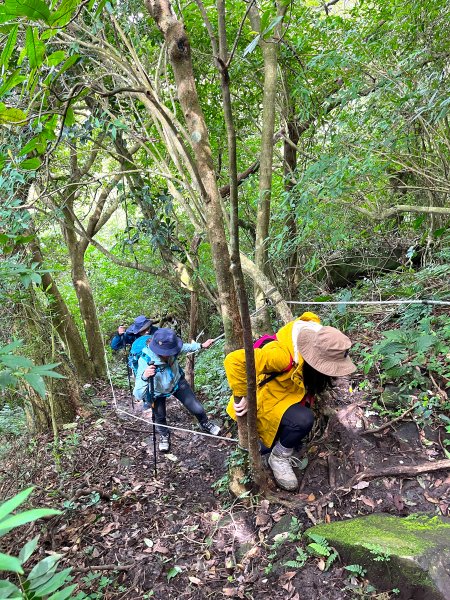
{"type": "Point", "coordinates": [389, 423]}
{"type": "Point", "coordinates": [103, 568]}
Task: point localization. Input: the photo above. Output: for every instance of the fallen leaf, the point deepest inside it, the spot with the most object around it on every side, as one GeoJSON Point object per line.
{"type": "Point", "coordinates": [253, 552]}
{"type": "Point", "coordinates": [262, 519]}
{"type": "Point", "coordinates": [327, 518]}
{"type": "Point", "coordinates": [287, 576]}
{"type": "Point", "coordinates": [310, 498]}
{"type": "Point", "coordinates": [110, 527]}
{"type": "Point", "coordinates": [367, 501]}
{"type": "Point", "coordinates": [361, 485]}
{"type": "Point", "coordinates": [444, 508]}
{"type": "Point", "coordinates": [430, 498]}
{"type": "Point", "coordinates": [230, 592]}
{"type": "Point", "coordinates": [171, 457]}
{"type": "Point", "coordinates": [195, 580]}
{"type": "Point", "coordinates": [321, 564]}
{"type": "Point", "coordinates": [158, 547]}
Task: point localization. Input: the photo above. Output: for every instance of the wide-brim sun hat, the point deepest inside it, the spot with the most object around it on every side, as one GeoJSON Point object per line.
{"type": "Point", "coordinates": [140, 324]}
{"type": "Point", "coordinates": [165, 342]}
{"type": "Point", "coordinates": [326, 350]}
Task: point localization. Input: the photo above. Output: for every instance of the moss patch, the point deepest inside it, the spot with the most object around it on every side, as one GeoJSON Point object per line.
{"type": "Point", "coordinates": [404, 537]}
{"type": "Point", "coordinates": [415, 551]}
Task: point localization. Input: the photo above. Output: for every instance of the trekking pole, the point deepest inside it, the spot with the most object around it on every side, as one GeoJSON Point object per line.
{"type": "Point", "coordinates": [152, 400]}
{"type": "Point", "coordinates": [129, 378]}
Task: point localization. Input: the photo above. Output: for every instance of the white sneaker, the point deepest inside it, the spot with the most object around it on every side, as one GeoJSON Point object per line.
{"type": "Point", "coordinates": [164, 443]}
{"type": "Point", "coordinates": [282, 471]}
{"type": "Point", "coordinates": [210, 427]}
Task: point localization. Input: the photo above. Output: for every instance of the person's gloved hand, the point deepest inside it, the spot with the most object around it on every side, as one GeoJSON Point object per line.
{"type": "Point", "coordinates": [121, 329]}
{"type": "Point", "coordinates": [207, 344]}
{"type": "Point", "coordinates": [241, 407]}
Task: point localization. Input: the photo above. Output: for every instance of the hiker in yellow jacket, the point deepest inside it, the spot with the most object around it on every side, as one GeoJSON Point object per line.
{"type": "Point", "coordinates": [299, 363]}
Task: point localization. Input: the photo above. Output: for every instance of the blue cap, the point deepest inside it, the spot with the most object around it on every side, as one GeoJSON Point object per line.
{"type": "Point", "coordinates": [165, 342]}
{"type": "Point", "coordinates": [140, 323]}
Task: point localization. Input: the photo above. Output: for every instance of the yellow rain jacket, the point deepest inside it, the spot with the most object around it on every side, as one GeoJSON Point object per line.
{"type": "Point", "coordinates": [277, 395]}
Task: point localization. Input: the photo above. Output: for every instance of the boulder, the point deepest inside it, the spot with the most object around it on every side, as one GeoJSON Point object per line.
{"type": "Point", "coordinates": [411, 554]}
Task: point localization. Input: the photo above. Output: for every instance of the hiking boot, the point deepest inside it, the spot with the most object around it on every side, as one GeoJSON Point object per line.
{"type": "Point", "coordinates": [280, 463]}
{"type": "Point", "coordinates": [210, 427]}
{"type": "Point", "coordinates": [164, 443]}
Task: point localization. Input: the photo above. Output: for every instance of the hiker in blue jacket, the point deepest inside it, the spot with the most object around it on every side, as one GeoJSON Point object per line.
{"type": "Point", "coordinates": [169, 380]}
{"type": "Point", "coordinates": [125, 337]}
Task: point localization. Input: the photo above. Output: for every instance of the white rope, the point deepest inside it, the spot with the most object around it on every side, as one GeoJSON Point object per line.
{"type": "Point", "coordinates": [216, 437]}
{"type": "Point", "coordinates": [362, 302]}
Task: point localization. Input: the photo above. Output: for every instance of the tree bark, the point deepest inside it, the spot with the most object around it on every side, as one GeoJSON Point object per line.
{"type": "Point", "coordinates": [270, 57]}
{"type": "Point", "coordinates": [179, 53]}
{"type": "Point", "coordinates": [63, 321]}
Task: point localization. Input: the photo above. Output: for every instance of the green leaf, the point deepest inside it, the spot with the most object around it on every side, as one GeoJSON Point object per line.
{"type": "Point", "coordinates": [63, 594]}
{"type": "Point", "coordinates": [173, 572]}
{"type": "Point", "coordinates": [67, 64]}
{"type": "Point", "coordinates": [11, 82]}
{"type": "Point", "coordinates": [11, 504]}
{"type": "Point", "coordinates": [318, 549]}
{"type": "Point", "coordinates": [252, 45]}
{"type": "Point", "coordinates": [273, 24]}
{"type": "Point", "coordinates": [15, 362]}
{"type": "Point", "coordinates": [64, 13]}
{"type": "Point", "coordinates": [44, 566]}
{"type": "Point", "coordinates": [26, 517]}
{"type": "Point", "coordinates": [10, 563]}
{"type": "Point", "coordinates": [55, 58]}
{"type": "Point", "coordinates": [28, 549]}
{"type": "Point", "coordinates": [9, 48]}
{"type": "Point", "coordinates": [30, 164]}
{"type": "Point", "coordinates": [11, 115]}
{"type": "Point", "coordinates": [53, 584]}
{"type": "Point", "coordinates": [36, 10]}
{"type": "Point", "coordinates": [34, 47]}
{"type": "Point", "coordinates": [36, 382]}
{"type": "Point", "coordinates": [8, 590]}
{"type": "Point", "coordinates": [2, 161]}
{"type": "Point", "coordinates": [424, 342]}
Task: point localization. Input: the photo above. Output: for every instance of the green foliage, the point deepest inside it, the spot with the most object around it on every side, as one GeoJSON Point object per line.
{"type": "Point", "coordinates": [210, 377]}
{"type": "Point", "coordinates": [356, 570]}
{"type": "Point", "coordinates": [43, 581]}
{"type": "Point", "coordinates": [380, 554]}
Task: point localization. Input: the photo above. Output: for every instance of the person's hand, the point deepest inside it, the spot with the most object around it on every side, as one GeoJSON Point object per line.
{"type": "Point", "coordinates": [149, 372]}
{"type": "Point", "coordinates": [207, 344]}
{"type": "Point", "coordinates": [121, 329]}
{"type": "Point", "coordinates": [241, 407]}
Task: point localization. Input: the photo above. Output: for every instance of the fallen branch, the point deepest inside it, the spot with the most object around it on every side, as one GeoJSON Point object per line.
{"type": "Point", "coordinates": [103, 568]}
{"type": "Point", "coordinates": [389, 423]}
{"type": "Point", "coordinates": [410, 470]}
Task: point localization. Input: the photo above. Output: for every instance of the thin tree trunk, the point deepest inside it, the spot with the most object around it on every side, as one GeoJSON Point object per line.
{"type": "Point", "coordinates": [269, 51]}
{"type": "Point", "coordinates": [193, 318]}
{"type": "Point", "coordinates": [179, 52]}
{"type": "Point", "coordinates": [63, 321]}
{"type": "Point", "coordinates": [290, 165]}
{"type": "Point", "coordinates": [248, 433]}
{"type": "Point", "coordinates": [88, 312]}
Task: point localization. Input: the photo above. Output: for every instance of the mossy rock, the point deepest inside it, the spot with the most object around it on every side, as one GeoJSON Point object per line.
{"type": "Point", "coordinates": [418, 548]}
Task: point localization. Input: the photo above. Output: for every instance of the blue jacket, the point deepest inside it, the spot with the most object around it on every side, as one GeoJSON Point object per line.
{"type": "Point", "coordinates": [120, 341]}
{"type": "Point", "coordinates": [167, 374]}
{"type": "Point", "coordinates": [127, 339]}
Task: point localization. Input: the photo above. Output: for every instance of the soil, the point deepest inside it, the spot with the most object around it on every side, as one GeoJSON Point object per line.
{"type": "Point", "coordinates": [129, 534]}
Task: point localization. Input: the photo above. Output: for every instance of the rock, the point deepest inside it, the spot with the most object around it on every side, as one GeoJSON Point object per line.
{"type": "Point", "coordinates": [406, 433]}
{"type": "Point", "coordinates": [282, 526]}
{"type": "Point", "coordinates": [418, 549]}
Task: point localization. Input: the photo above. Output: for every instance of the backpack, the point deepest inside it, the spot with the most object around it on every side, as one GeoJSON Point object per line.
{"type": "Point", "coordinates": [260, 343]}
{"type": "Point", "coordinates": [136, 352]}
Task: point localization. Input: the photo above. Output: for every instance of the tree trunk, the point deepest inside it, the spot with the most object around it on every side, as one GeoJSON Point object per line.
{"type": "Point", "coordinates": [179, 52]}
{"type": "Point", "coordinates": [193, 319]}
{"type": "Point", "coordinates": [290, 165]}
{"type": "Point", "coordinates": [62, 398]}
{"type": "Point", "coordinates": [88, 311]}
{"type": "Point", "coordinates": [248, 433]}
{"type": "Point", "coordinates": [270, 56]}
{"type": "Point", "coordinates": [63, 321]}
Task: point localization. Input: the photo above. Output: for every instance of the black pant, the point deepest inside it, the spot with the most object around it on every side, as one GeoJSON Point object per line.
{"type": "Point", "coordinates": [295, 424]}
{"type": "Point", "coordinates": [187, 398]}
